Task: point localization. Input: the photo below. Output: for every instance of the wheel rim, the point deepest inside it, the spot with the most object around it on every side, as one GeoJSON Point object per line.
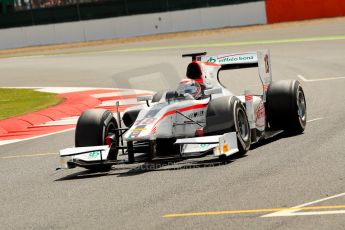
{"type": "Point", "coordinates": [110, 130]}
{"type": "Point", "coordinates": [301, 106]}
{"type": "Point", "coordinates": [243, 127]}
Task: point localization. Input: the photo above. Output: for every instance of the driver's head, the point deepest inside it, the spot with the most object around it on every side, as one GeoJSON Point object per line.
{"type": "Point", "coordinates": [191, 87]}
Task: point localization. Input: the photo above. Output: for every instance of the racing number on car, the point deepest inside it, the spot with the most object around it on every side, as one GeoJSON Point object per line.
{"type": "Point", "coordinates": [267, 64]}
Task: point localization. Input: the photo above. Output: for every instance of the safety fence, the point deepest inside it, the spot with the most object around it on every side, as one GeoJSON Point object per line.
{"type": "Point", "coordinates": [35, 22]}
{"type": "Point", "coordinates": [18, 13]}
{"type": "Point", "coordinates": [251, 13]}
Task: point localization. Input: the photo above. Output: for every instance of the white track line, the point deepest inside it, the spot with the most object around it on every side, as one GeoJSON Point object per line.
{"type": "Point", "coordinates": [320, 79]}
{"type": "Point", "coordinates": [61, 90]}
{"type": "Point", "coordinates": [29, 155]}
{"type": "Point", "coordinates": [315, 119]}
{"type": "Point", "coordinates": [122, 102]}
{"type": "Point", "coordinates": [6, 142]}
{"type": "Point", "coordinates": [124, 92]}
{"type": "Point", "coordinates": [287, 213]}
{"type": "Point", "coordinates": [302, 78]}
{"type": "Point", "coordinates": [63, 121]}
{"type": "Point", "coordinates": [314, 213]}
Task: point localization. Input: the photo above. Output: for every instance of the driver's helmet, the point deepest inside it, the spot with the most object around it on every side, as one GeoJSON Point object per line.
{"type": "Point", "coordinates": [189, 86]}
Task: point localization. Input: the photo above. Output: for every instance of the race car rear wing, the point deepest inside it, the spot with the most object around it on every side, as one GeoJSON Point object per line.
{"type": "Point", "coordinates": [260, 59]}
{"type": "Point", "coordinates": [226, 59]}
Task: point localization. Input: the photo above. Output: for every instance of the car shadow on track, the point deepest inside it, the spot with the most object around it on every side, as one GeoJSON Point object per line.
{"type": "Point", "coordinates": [168, 165]}
{"type": "Point", "coordinates": [272, 139]}
{"type": "Point", "coordinates": [174, 165]}
{"type": "Point", "coordinates": [156, 166]}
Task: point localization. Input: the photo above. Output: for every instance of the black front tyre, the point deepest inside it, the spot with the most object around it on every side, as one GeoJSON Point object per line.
{"type": "Point", "coordinates": [286, 106]}
{"type": "Point", "coordinates": [227, 114]}
{"type": "Point", "coordinates": [93, 126]}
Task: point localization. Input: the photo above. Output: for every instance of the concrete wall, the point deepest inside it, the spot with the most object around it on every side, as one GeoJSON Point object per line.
{"type": "Point", "coordinates": [119, 27]}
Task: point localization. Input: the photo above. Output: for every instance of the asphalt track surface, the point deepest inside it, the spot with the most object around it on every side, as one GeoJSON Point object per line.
{"type": "Point", "coordinates": [286, 172]}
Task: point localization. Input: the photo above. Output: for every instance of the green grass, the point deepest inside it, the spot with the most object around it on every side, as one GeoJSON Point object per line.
{"type": "Point", "coordinates": [15, 102]}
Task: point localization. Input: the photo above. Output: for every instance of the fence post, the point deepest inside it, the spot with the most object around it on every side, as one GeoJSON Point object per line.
{"type": "Point", "coordinates": [31, 14]}
{"type": "Point", "coordinates": [78, 11]}
{"type": "Point", "coordinates": [167, 5]}
{"type": "Point", "coordinates": [4, 7]}
{"type": "Point", "coordinates": [126, 6]}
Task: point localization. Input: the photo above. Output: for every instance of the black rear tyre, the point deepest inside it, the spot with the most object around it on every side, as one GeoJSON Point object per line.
{"type": "Point", "coordinates": [286, 106]}
{"type": "Point", "coordinates": [93, 127]}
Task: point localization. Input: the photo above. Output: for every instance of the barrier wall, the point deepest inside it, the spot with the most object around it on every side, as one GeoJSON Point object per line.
{"type": "Point", "coordinates": [294, 10]}
{"type": "Point", "coordinates": [251, 13]}
{"type": "Point", "coordinates": [185, 20]}
{"type": "Point", "coordinates": [37, 12]}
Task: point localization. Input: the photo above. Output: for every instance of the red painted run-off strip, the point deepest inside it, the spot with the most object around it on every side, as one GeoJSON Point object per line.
{"type": "Point", "coordinates": [75, 103]}
{"type": "Point", "coordinates": [294, 10]}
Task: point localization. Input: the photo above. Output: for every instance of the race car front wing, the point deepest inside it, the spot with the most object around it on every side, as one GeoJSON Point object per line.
{"type": "Point", "coordinates": [225, 144]}
{"type": "Point", "coordinates": [221, 145]}
{"type": "Point", "coordinates": [72, 157]}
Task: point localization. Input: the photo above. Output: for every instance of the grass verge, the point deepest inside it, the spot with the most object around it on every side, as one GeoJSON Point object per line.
{"type": "Point", "coordinates": [15, 102]}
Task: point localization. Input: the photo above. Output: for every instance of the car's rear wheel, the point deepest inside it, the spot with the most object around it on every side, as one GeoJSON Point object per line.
{"type": "Point", "coordinates": [93, 127]}
{"type": "Point", "coordinates": [286, 106]}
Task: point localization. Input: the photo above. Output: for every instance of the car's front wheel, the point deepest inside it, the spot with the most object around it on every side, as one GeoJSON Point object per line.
{"type": "Point", "coordinates": [242, 129]}
{"type": "Point", "coordinates": [228, 114]}
{"type": "Point", "coordinates": [93, 127]}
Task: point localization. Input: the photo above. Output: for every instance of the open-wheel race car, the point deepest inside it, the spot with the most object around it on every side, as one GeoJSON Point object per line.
{"type": "Point", "coordinates": [200, 117]}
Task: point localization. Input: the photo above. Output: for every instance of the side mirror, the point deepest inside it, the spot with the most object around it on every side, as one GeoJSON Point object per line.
{"type": "Point", "coordinates": [209, 92]}
{"type": "Point", "coordinates": [145, 98]}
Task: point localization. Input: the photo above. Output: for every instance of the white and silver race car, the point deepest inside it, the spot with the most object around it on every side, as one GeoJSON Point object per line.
{"type": "Point", "coordinates": [169, 124]}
